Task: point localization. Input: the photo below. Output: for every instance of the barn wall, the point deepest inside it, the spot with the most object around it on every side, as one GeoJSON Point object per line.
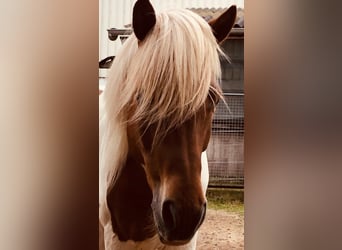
{"type": "Point", "coordinates": [233, 72]}
{"type": "Point", "coordinates": [226, 147]}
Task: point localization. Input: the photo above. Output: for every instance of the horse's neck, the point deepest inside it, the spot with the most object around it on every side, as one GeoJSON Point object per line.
{"type": "Point", "coordinates": [130, 204]}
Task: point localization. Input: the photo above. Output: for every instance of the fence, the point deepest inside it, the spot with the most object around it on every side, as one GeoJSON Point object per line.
{"type": "Point", "coordinates": [226, 146]}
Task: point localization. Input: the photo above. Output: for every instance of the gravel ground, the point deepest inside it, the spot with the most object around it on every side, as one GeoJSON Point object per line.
{"type": "Point", "coordinates": [221, 230]}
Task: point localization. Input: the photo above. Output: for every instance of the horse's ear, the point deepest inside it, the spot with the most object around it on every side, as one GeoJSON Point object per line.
{"type": "Point", "coordinates": [144, 18]}
{"type": "Point", "coordinates": [222, 25]}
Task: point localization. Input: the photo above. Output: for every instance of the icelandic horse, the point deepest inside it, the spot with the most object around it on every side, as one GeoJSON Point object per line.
{"type": "Point", "coordinates": [155, 125]}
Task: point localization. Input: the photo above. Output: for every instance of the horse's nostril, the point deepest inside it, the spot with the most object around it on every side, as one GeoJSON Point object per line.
{"type": "Point", "coordinates": [169, 214]}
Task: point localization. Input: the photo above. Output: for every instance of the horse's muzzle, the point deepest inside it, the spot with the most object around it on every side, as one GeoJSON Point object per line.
{"type": "Point", "coordinates": [180, 223]}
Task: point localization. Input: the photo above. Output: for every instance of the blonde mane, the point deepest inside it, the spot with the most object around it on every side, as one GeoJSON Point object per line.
{"type": "Point", "coordinates": [166, 76]}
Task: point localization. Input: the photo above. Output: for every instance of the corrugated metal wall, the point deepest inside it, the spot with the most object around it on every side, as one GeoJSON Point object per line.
{"type": "Point", "coordinates": [117, 13]}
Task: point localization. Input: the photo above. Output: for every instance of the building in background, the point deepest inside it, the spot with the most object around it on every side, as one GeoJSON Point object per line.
{"type": "Point", "coordinates": [118, 14]}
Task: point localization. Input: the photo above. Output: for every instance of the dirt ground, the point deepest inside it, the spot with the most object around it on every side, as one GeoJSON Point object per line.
{"type": "Point", "coordinates": [221, 231]}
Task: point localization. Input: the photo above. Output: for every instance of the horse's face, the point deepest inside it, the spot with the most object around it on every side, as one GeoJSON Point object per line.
{"type": "Point", "coordinates": [173, 171]}
{"type": "Point", "coordinates": [173, 165]}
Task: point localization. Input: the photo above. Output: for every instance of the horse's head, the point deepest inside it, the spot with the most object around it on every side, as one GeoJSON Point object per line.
{"type": "Point", "coordinates": [170, 147]}
{"type": "Point", "coordinates": [173, 171]}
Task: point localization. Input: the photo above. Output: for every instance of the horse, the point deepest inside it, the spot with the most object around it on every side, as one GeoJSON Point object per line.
{"type": "Point", "coordinates": [154, 127]}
